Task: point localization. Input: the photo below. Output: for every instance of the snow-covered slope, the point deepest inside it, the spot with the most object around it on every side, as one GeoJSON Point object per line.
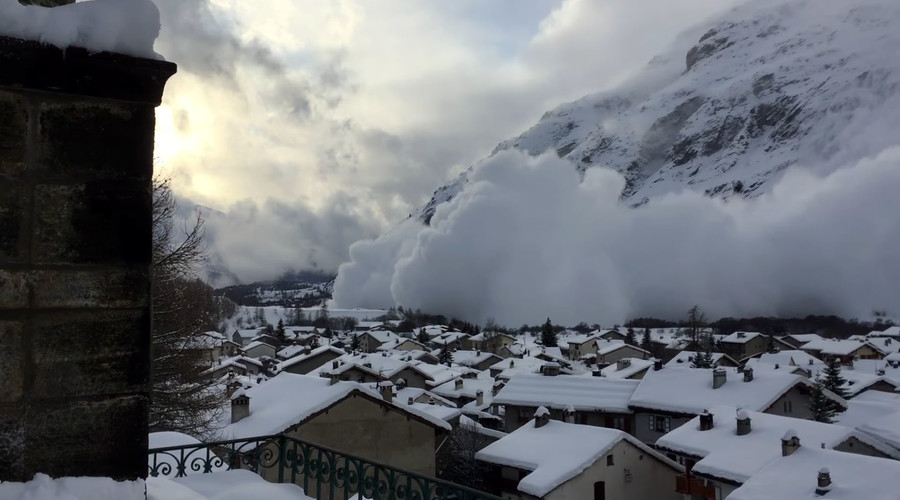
{"type": "Point", "coordinates": [767, 86]}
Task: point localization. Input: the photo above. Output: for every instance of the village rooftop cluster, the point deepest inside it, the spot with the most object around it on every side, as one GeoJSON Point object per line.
{"type": "Point", "coordinates": [604, 414]}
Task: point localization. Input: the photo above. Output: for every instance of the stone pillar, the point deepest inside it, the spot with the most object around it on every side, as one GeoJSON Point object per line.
{"type": "Point", "coordinates": [76, 160]}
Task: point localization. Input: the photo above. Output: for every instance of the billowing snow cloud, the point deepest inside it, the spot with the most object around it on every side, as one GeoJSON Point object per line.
{"type": "Point", "coordinates": [527, 239]}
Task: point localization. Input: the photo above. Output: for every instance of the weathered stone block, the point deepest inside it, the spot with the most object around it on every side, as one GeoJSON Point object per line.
{"type": "Point", "coordinates": [103, 140]}
{"type": "Point", "coordinates": [102, 438]}
{"type": "Point", "coordinates": [13, 133]}
{"type": "Point", "coordinates": [12, 376]}
{"type": "Point", "coordinates": [13, 220]}
{"type": "Point", "coordinates": [94, 288]}
{"type": "Point", "coordinates": [12, 438]}
{"type": "Point", "coordinates": [13, 289]}
{"type": "Point", "coordinates": [97, 223]}
{"type": "Point", "coordinates": [101, 353]}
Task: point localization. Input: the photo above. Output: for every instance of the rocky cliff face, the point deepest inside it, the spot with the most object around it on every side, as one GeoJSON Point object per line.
{"type": "Point", "coordinates": [766, 87]}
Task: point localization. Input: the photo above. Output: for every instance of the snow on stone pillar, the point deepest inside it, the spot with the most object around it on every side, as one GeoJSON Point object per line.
{"type": "Point", "coordinates": [719, 377]}
{"type": "Point", "coordinates": [76, 160]}
{"type": "Point", "coordinates": [240, 405]}
{"type": "Point", "coordinates": [479, 398]}
{"type": "Point", "coordinates": [743, 423]}
{"type": "Point", "coordinates": [790, 442]}
{"type": "Point", "coordinates": [541, 417]}
{"type": "Point", "coordinates": [823, 481]}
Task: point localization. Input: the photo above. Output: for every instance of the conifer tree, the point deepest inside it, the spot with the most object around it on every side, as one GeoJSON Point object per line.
{"type": "Point", "coordinates": [704, 359]}
{"type": "Point", "coordinates": [548, 336]}
{"type": "Point", "coordinates": [821, 408]}
{"type": "Point", "coordinates": [445, 357]}
{"type": "Point", "coordinates": [833, 381]}
{"type": "Point", "coordinates": [646, 343]}
{"type": "Point", "coordinates": [280, 334]}
{"type": "Point", "coordinates": [354, 341]}
{"type": "Point", "coordinates": [630, 338]}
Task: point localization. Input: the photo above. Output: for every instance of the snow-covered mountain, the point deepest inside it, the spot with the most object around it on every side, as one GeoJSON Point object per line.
{"type": "Point", "coordinates": [735, 103]}
{"type": "Point", "coordinates": [704, 201]}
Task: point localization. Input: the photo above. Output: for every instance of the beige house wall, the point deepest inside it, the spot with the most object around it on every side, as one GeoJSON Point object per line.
{"type": "Point", "coordinates": [621, 353]}
{"type": "Point", "coordinates": [362, 427]}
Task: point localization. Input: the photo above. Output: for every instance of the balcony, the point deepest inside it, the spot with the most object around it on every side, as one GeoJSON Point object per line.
{"type": "Point", "coordinates": [690, 485]}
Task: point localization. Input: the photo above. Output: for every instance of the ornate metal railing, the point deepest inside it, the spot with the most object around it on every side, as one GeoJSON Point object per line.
{"type": "Point", "coordinates": [322, 472]}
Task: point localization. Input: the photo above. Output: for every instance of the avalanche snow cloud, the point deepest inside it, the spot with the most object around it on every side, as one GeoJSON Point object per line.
{"type": "Point", "coordinates": [761, 151]}
{"type": "Point", "coordinates": [528, 239]}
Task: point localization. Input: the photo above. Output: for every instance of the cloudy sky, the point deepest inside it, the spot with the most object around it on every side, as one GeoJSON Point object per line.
{"type": "Point", "coordinates": [308, 125]}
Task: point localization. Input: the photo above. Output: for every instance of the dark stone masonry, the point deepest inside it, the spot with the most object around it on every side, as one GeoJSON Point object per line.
{"type": "Point", "coordinates": [76, 160]}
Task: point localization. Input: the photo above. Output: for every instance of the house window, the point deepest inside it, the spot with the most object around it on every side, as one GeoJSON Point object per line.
{"type": "Point", "coordinates": [609, 460]}
{"type": "Point", "coordinates": [659, 423]}
{"type": "Point", "coordinates": [618, 423]}
{"type": "Point", "coordinates": [788, 407]}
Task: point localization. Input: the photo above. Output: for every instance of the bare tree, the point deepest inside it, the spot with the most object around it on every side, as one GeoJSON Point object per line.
{"type": "Point", "coordinates": [184, 309]}
{"type": "Point", "coordinates": [458, 463]}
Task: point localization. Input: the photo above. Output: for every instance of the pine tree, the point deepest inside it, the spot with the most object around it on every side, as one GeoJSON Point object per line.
{"type": "Point", "coordinates": [445, 357]}
{"type": "Point", "coordinates": [630, 338]}
{"type": "Point", "coordinates": [833, 381]}
{"type": "Point", "coordinates": [548, 336]}
{"type": "Point", "coordinates": [354, 341]}
{"type": "Point", "coordinates": [704, 359]}
{"type": "Point", "coordinates": [822, 408]}
{"type": "Point", "coordinates": [646, 343]}
{"type": "Point", "coordinates": [280, 334]}
{"type": "Point", "coordinates": [422, 337]}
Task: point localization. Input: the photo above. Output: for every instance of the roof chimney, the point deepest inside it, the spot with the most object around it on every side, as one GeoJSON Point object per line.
{"type": "Point", "coordinates": [789, 442]}
{"type": "Point", "coordinates": [458, 384]}
{"type": "Point", "coordinates": [657, 365]}
{"type": "Point", "coordinates": [569, 415]}
{"type": "Point", "coordinates": [240, 406]}
{"type": "Point", "coordinates": [541, 417]}
{"type": "Point", "coordinates": [496, 387]}
{"type": "Point", "coordinates": [387, 390]}
{"type": "Point", "coordinates": [706, 421]}
{"type": "Point", "coordinates": [824, 481]}
{"type": "Point", "coordinates": [743, 423]}
{"type": "Point", "coordinates": [748, 374]}
{"type": "Point", "coordinates": [623, 364]}
{"type": "Point", "coordinates": [479, 398]}
{"type": "Point", "coordinates": [334, 378]}
{"type": "Point", "coordinates": [409, 400]}
{"type": "Point", "coordinates": [719, 377]}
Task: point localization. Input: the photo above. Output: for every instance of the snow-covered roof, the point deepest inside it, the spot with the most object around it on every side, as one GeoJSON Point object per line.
{"type": "Point", "coordinates": [257, 343]}
{"type": "Point", "coordinates": [734, 457]}
{"type": "Point", "coordinates": [315, 352]}
{"type": "Point", "coordinates": [445, 413]}
{"type": "Point", "coordinates": [470, 386]}
{"type": "Point", "coordinates": [790, 357]}
{"type": "Point", "coordinates": [834, 347]}
{"type": "Point", "coordinates": [272, 412]}
{"type": "Point", "coordinates": [556, 452]}
{"type": "Point", "coordinates": [893, 331]}
{"type": "Point", "coordinates": [740, 337]}
{"type": "Point", "coordinates": [578, 339]}
{"type": "Point", "coordinates": [562, 391]}
{"type": "Point", "coordinates": [223, 485]}
{"type": "Point", "coordinates": [868, 407]}
{"type": "Point", "coordinates": [472, 358]}
{"type": "Point", "coordinates": [803, 338]}
{"type": "Point", "coordinates": [634, 365]}
{"type": "Point", "coordinates": [885, 428]}
{"type": "Point", "coordinates": [381, 335]}
{"type": "Point", "coordinates": [511, 367]}
{"type": "Point", "coordinates": [690, 390]}
{"type": "Point", "coordinates": [794, 477]}
{"type": "Point", "coordinates": [684, 358]}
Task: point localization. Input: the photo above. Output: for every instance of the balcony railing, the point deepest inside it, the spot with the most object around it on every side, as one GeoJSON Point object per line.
{"type": "Point", "coordinates": [690, 485]}
{"type": "Point", "coordinates": [322, 472]}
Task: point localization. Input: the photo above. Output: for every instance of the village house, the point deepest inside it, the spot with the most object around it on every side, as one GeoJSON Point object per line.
{"type": "Point", "coordinates": [593, 401]}
{"type": "Point", "coordinates": [548, 459]}
{"type": "Point", "coordinates": [630, 368]}
{"type": "Point", "coordinates": [371, 340]}
{"type": "Point", "coordinates": [808, 471]}
{"type": "Point", "coordinates": [609, 352]}
{"type": "Point", "coordinates": [402, 344]}
{"type": "Point", "coordinates": [686, 358]}
{"type": "Point", "coordinates": [245, 336]}
{"type": "Point", "coordinates": [464, 390]}
{"type": "Point", "coordinates": [493, 342]}
{"type": "Point", "coordinates": [740, 345]}
{"type": "Point", "coordinates": [308, 363]}
{"type": "Point", "coordinates": [477, 360]}
{"type": "Point", "coordinates": [344, 416]}
{"type": "Point", "coordinates": [366, 368]}
{"type": "Point", "coordinates": [258, 349]}
{"type": "Point", "coordinates": [667, 399]}
{"type": "Point", "coordinates": [845, 350]}
{"type": "Point", "coordinates": [580, 345]}
{"type": "Point", "coordinates": [726, 446]}
{"type": "Point", "coordinates": [796, 340]}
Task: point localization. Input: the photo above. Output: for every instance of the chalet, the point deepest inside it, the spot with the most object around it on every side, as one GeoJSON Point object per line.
{"type": "Point", "coordinates": [510, 367]}
{"type": "Point", "coordinates": [462, 391]}
{"type": "Point", "coordinates": [344, 416]}
{"type": "Point", "coordinates": [244, 337]}
{"type": "Point", "coordinates": [371, 340]}
{"type": "Point", "coordinates": [740, 345]}
{"type": "Point", "coordinates": [669, 398]}
{"type": "Point", "coordinates": [628, 368]}
{"type": "Point", "coordinates": [797, 340]}
{"type": "Point", "coordinates": [401, 344]}
{"type": "Point", "coordinates": [548, 459]}
{"type": "Point", "coordinates": [615, 334]}
{"type": "Point", "coordinates": [377, 367]}
{"type": "Point", "coordinates": [593, 401]}
{"type": "Point", "coordinates": [723, 448]}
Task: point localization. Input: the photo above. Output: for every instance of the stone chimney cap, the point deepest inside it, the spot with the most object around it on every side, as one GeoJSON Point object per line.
{"type": "Point", "coordinates": [790, 434]}
{"type": "Point", "coordinates": [239, 393]}
{"type": "Point", "coordinates": [541, 411]}
{"type": "Point", "coordinates": [385, 383]}
{"type": "Point", "coordinates": [741, 414]}
{"type": "Point", "coordinates": [824, 470]}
